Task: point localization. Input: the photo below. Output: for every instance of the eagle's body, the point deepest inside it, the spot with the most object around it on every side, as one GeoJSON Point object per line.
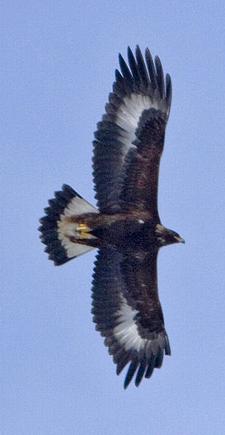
{"type": "Point", "coordinates": [133, 230]}
{"type": "Point", "coordinates": [127, 232]}
{"type": "Point", "coordinates": [126, 227]}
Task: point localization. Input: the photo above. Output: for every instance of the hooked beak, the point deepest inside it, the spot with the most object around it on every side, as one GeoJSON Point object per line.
{"type": "Point", "coordinates": [180, 239]}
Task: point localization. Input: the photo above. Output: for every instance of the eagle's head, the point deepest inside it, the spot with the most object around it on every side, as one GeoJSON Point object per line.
{"type": "Point", "coordinates": [164, 236]}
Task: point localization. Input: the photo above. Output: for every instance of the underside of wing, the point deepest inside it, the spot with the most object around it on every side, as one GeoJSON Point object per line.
{"type": "Point", "coordinates": [129, 139]}
{"type": "Point", "coordinates": [127, 312]}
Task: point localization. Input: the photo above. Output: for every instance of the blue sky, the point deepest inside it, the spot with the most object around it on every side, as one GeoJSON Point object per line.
{"type": "Point", "coordinates": [58, 61]}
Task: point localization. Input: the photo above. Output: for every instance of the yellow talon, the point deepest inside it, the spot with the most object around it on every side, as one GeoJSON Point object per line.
{"type": "Point", "coordinates": [84, 231]}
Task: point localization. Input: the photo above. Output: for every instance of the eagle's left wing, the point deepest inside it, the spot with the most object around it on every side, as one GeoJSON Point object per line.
{"type": "Point", "coordinates": [127, 311]}
{"type": "Point", "coordinates": [129, 139]}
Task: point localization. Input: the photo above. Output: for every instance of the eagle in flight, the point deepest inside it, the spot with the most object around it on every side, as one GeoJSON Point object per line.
{"type": "Point", "coordinates": [126, 227]}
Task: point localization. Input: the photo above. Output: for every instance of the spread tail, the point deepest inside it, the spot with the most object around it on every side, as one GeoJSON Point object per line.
{"type": "Point", "coordinates": [64, 238]}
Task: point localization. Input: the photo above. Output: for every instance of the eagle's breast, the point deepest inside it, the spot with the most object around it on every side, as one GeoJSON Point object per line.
{"type": "Point", "coordinates": [127, 233]}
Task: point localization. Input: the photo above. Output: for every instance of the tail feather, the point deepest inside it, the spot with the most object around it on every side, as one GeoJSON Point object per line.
{"type": "Point", "coordinates": [56, 233]}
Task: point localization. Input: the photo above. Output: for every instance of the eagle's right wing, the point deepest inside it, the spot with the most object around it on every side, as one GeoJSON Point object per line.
{"type": "Point", "coordinates": [127, 312]}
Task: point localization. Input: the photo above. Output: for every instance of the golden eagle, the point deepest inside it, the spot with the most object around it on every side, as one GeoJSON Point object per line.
{"type": "Point", "coordinates": [126, 227]}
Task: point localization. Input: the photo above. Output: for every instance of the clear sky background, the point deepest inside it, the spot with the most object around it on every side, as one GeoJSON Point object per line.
{"type": "Point", "coordinates": [57, 65]}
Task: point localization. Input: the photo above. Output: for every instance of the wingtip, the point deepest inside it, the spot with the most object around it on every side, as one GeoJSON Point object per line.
{"type": "Point", "coordinates": [137, 49]}
{"type": "Point", "coordinates": [129, 51]}
{"type": "Point", "coordinates": [120, 57]}
{"type": "Point", "coordinates": [130, 373]}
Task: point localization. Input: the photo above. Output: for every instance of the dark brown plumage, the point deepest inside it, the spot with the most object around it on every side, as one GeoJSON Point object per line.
{"type": "Point", "coordinates": [126, 227]}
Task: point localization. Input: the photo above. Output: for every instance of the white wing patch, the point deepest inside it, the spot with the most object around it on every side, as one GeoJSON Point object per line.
{"type": "Point", "coordinates": [129, 114]}
{"type": "Point", "coordinates": [126, 332]}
